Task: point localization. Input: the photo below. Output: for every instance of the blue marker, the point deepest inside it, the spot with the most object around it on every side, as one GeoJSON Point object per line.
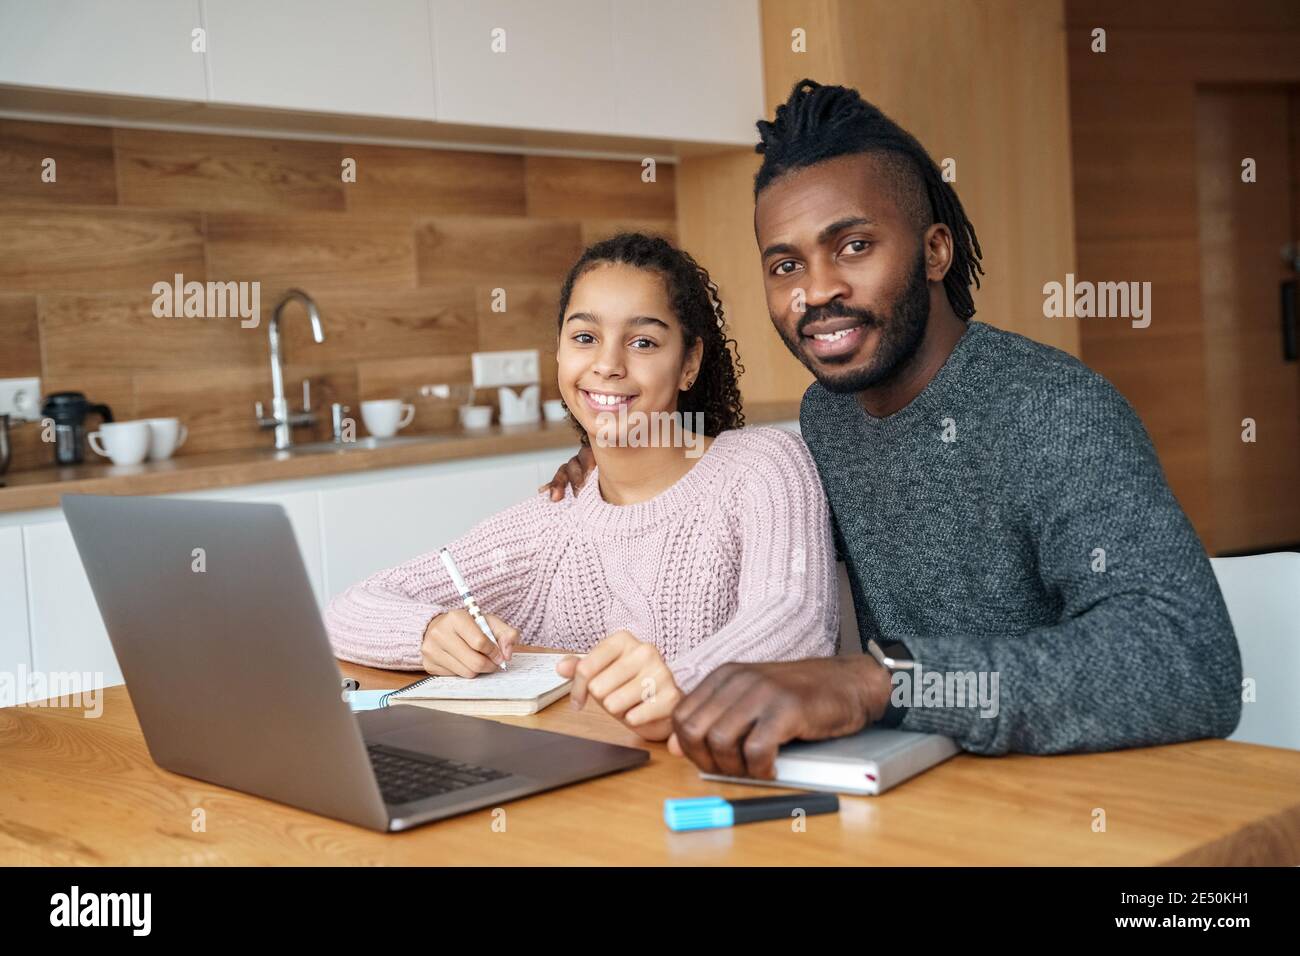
{"type": "Point", "coordinates": [703, 813]}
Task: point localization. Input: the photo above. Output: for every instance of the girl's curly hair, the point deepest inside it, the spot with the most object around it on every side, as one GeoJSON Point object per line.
{"type": "Point", "coordinates": [695, 302]}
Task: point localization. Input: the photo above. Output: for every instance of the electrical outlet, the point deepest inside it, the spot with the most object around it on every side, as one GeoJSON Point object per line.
{"type": "Point", "coordinates": [493, 369]}
{"type": "Point", "coordinates": [20, 398]}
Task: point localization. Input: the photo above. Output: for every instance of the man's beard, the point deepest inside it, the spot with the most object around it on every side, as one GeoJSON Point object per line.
{"type": "Point", "coordinates": [900, 336]}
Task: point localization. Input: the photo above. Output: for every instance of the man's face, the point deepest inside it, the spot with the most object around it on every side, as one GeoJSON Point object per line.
{"type": "Point", "coordinates": [835, 236]}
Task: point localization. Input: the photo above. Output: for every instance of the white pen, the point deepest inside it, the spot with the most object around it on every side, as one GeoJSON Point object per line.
{"type": "Point", "coordinates": [470, 604]}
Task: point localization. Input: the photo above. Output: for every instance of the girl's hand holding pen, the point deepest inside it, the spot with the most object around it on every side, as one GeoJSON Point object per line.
{"type": "Point", "coordinates": [453, 645]}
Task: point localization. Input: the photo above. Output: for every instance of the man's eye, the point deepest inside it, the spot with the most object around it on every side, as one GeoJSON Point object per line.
{"type": "Point", "coordinates": [781, 270]}
{"type": "Point", "coordinates": [857, 245]}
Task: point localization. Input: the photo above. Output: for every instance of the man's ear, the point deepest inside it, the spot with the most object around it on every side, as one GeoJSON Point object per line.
{"type": "Point", "coordinates": [937, 244]}
{"type": "Point", "coordinates": [691, 367]}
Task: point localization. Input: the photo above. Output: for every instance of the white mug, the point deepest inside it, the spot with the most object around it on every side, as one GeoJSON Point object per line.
{"type": "Point", "coordinates": [126, 443]}
{"type": "Point", "coordinates": [386, 417]}
{"type": "Point", "coordinates": [165, 436]}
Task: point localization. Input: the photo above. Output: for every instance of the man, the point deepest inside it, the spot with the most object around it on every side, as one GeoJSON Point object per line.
{"type": "Point", "coordinates": [1000, 509]}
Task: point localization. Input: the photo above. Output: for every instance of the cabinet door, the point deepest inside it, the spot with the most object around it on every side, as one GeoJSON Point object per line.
{"type": "Point", "coordinates": [15, 651]}
{"type": "Point", "coordinates": [555, 72]}
{"type": "Point", "coordinates": [128, 47]}
{"type": "Point", "coordinates": [688, 70]}
{"type": "Point", "coordinates": [334, 56]}
{"type": "Point", "coordinates": [67, 632]}
{"type": "Point", "coordinates": [369, 527]}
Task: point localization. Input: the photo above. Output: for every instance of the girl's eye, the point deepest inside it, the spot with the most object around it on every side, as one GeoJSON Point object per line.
{"type": "Point", "coordinates": [780, 268]}
{"type": "Point", "coordinates": [649, 343]}
{"type": "Point", "coordinates": [584, 338]}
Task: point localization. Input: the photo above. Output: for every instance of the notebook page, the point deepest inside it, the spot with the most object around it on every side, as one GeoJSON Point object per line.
{"type": "Point", "coordinates": [529, 676]}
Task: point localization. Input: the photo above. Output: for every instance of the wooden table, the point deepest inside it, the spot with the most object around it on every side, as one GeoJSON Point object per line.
{"type": "Point", "coordinates": [84, 791]}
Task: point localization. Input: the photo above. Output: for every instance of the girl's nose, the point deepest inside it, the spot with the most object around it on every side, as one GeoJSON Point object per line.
{"type": "Point", "coordinates": [609, 362]}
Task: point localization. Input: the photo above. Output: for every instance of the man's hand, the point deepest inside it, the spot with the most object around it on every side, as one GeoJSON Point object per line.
{"type": "Point", "coordinates": [572, 472]}
{"type": "Point", "coordinates": [738, 716]}
{"type": "Point", "coordinates": [629, 678]}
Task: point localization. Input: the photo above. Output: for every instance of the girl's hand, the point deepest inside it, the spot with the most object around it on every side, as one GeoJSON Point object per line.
{"type": "Point", "coordinates": [453, 646]}
{"type": "Point", "coordinates": [629, 678]}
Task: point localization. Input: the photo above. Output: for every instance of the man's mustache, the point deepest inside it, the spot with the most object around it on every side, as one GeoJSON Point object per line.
{"type": "Point", "coordinates": [836, 310]}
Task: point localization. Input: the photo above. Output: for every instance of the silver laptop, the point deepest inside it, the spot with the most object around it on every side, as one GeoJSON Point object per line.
{"type": "Point", "coordinates": [233, 679]}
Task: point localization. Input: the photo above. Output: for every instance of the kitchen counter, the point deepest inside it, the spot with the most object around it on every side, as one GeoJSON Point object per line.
{"type": "Point", "coordinates": [42, 487]}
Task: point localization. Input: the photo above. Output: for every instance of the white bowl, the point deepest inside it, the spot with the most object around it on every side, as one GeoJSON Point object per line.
{"type": "Point", "coordinates": [475, 416]}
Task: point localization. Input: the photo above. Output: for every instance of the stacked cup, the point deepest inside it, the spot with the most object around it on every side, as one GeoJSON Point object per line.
{"type": "Point", "coordinates": [129, 443]}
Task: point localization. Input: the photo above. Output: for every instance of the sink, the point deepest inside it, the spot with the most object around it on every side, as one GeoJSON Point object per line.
{"type": "Point", "coordinates": [361, 444]}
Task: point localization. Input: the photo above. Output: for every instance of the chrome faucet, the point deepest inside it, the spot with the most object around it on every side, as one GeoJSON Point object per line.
{"type": "Point", "coordinates": [281, 419]}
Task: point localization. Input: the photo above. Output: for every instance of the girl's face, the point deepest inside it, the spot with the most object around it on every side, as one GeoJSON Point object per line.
{"type": "Point", "coordinates": [621, 346]}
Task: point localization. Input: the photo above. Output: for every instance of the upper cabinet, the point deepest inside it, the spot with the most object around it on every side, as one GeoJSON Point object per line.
{"type": "Point", "coordinates": [688, 70]}
{"type": "Point", "coordinates": [524, 64]}
{"type": "Point", "coordinates": [328, 56]}
{"type": "Point", "coordinates": [126, 47]}
{"type": "Point", "coordinates": [490, 71]}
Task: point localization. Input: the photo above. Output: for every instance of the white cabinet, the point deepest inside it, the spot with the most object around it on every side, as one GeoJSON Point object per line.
{"type": "Point", "coordinates": [525, 64]}
{"type": "Point", "coordinates": [126, 47]}
{"type": "Point", "coordinates": [67, 632]}
{"type": "Point", "coordinates": [15, 651]}
{"type": "Point", "coordinates": [371, 526]}
{"type": "Point", "coordinates": [662, 70]}
{"type": "Point", "coordinates": [336, 56]}
{"type": "Point", "coordinates": [688, 70]}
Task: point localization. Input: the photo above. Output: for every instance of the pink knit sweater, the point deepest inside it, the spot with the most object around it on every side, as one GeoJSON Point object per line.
{"type": "Point", "coordinates": [734, 562]}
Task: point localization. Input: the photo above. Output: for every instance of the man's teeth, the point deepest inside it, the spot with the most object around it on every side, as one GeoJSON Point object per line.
{"type": "Point", "coordinates": [832, 336]}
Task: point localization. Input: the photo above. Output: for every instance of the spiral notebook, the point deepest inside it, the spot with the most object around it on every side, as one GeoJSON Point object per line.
{"type": "Point", "coordinates": [529, 684]}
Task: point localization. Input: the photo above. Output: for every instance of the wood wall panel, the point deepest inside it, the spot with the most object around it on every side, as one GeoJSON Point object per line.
{"type": "Point", "coordinates": [317, 252]}
{"type": "Point", "coordinates": [593, 189]}
{"type": "Point", "coordinates": [1134, 144]}
{"type": "Point", "coordinates": [1243, 228]}
{"type": "Point", "coordinates": [118, 331]}
{"type": "Point", "coordinates": [384, 324]}
{"type": "Point", "coordinates": [85, 249]}
{"type": "Point", "coordinates": [401, 263]}
{"type": "Point", "coordinates": [391, 179]}
{"type": "Point", "coordinates": [83, 169]}
{"type": "Point", "coordinates": [498, 250]}
{"type": "Point", "coordinates": [594, 230]}
{"type": "Point", "coordinates": [217, 173]}
{"type": "Point", "coordinates": [20, 334]}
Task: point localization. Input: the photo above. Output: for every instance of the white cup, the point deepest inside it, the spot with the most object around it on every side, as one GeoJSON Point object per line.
{"type": "Point", "coordinates": [165, 436]}
{"type": "Point", "coordinates": [125, 443]}
{"type": "Point", "coordinates": [384, 418]}
{"type": "Point", "coordinates": [553, 410]}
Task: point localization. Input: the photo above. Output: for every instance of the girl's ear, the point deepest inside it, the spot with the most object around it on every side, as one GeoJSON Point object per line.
{"type": "Point", "coordinates": [691, 367]}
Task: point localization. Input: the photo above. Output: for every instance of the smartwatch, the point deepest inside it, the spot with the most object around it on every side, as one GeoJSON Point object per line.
{"type": "Point", "coordinates": [893, 656]}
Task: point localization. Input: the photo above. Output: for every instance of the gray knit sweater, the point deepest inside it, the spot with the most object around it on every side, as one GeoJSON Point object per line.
{"type": "Point", "coordinates": [1040, 542]}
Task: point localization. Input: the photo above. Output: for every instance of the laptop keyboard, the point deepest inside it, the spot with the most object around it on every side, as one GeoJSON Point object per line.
{"type": "Point", "coordinates": [403, 778]}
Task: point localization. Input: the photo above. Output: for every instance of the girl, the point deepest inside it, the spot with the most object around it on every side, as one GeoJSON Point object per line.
{"type": "Point", "coordinates": [675, 556]}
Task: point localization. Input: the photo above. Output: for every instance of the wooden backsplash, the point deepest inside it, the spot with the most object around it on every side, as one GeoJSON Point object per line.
{"type": "Point", "coordinates": [402, 264]}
